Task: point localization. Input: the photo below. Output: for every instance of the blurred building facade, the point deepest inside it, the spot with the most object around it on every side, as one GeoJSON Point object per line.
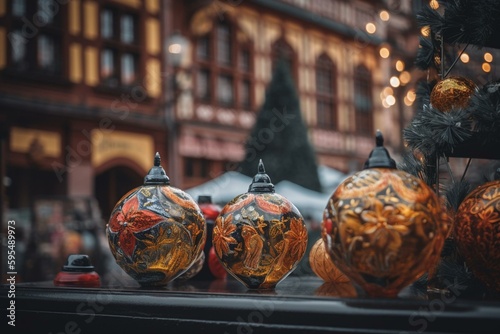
{"type": "Point", "coordinates": [334, 50]}
{"type": "Point", "coordinates": [90, 90]}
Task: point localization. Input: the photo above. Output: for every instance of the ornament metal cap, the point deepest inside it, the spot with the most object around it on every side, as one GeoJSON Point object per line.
{"type": "Point", "coordinates": [261, 182]}
{"type": "Point", "coordinates": [156, 175]}
{"type": "Point", "coordinates": [78, 262]}
{"type": "Point", "coordinates": [379, 156]}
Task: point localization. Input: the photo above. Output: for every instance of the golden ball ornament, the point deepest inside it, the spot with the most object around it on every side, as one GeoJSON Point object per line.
{"type": "Point", "coordinates": [260, 236]}
{"type": "Point", "coordinates": [383, 227]}
{"type": "Point", "coordinates": [477, 233]}
{"type": "Point", "coordinates": [452, 93]}
{"type": "Point", "coordinates": [323, 266]}
{"type": "Point", "coordinates": [156, 232]}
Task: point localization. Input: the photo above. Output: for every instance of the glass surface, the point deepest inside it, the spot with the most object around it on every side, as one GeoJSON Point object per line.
{"type": "Point", "coordinates": [46, 52]}
{"type": "Point", "coordinates": [127, 29]}
{"type": "Point", "coordinates": [106, 23]}
{"type": "Point", "coordinates": [223, 45]}
{"type": "Point", "coordinates": [225, 90]}
{"type": "Point", "coordinates": [18, 47]}
{"type": "Point", "coordinates": [18, 8]}
{"type": "Point", "coordinates": [128, 74]}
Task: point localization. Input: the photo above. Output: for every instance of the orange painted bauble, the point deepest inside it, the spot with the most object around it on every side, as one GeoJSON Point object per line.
{"type": "Point", "coordinates": [323, 266]}
{"type": "Point", "coordinates": [156, 232]}
{"type": "Point", "coordinates": [452, 93]}
{"type": "Point", "coordinates": [383, 227]}
{"type": "Point", "coordinates": [260, 236]}
{"type": "Point", "coordinates": [477, 233]}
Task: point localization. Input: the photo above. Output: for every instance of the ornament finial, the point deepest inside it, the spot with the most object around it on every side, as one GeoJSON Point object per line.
{"type": "Point", "coordinates": [379, 156]}
{"type": "Point", "coordinates": [379, 139]}
{"type": "Point", "coordinates": [157, 160]}
{"type": "Point", "coordinates": [261, 182]}
{"type": "Point", "coordinates": [261, 168]}
{"type": "Point", "coordinates": [156, 175]}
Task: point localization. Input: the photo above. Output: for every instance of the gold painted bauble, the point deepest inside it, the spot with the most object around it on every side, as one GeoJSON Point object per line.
{"type": "Point", "coordinates": [260, 236]}
{"type": "Point", "coordinates": [383, 227]}
{"type": "Point", "coordinates": [477, 233]}
{"type": "Point", "coordinates": [156, 231]}
{"type": "Point", "coordinates": [452, 93]}
{"type": "Point", "coordinates": [323, 266]}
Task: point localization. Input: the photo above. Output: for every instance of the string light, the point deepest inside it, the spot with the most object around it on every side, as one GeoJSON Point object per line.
{"type": "Point", "coordinates": [400, 65]}
{"type": "Point", "coordinates": [394, 81]}
{"type": "Point", "coordinates": [486, 67]}
{"type": "Point", "coordinates": [371, 28]}
{"type": "Point", "coordinates": [464, 57]}
{"type": "Point", "coordinates": [384, 15]}
{"type": "Point", "coordinates": [384, 52]}
{"type": "Point", "coordinates": [488, 57]}
{"type": "Point", "coordinates": [391, 100]}
{"type": "Point", "coordinates": [405, 77]}
{"type": "Point", "coordinates": [434, 4]}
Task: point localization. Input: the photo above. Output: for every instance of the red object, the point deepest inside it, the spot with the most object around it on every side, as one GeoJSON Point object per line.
{"type": "Point", "coordinates": [215, 266]}
{"type": "Point", "coordinates": [210, 210]}
{"type": "Point", "coordinates": [78, 279]}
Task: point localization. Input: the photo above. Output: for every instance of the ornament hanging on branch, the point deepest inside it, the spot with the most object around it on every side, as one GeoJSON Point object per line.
{"type": "Point", "coordinates": [452, 93]}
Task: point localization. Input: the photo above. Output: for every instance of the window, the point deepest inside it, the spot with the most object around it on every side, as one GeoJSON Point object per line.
{"type": "Point", "coordinates": [37, 53]}
{"type": "Point", "coordinates": [326, 106]}
{"type": "Point", "coordinates": [224, 77]}
{"type": "Point", "coordinates": [363, 100]}
{"type": "Point", "coordinates": [120, 50]}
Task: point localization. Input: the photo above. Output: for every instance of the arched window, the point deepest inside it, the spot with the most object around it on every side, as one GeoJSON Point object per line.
{"type": "Point", "coordinates": [224, 68]}
{"type": "Point", "coordinates": [326, 93]}
{"type": "Point", "coordinates": [282, 50]}
{"type": "Point", "coordinates": [363, 104]}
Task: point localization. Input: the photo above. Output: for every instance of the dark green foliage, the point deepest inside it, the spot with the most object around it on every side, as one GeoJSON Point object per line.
{"type": "Point", "coordinates": [279, 136]}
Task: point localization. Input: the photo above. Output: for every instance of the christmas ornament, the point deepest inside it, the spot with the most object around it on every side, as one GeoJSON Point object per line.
{"type": "Point", "coordinates": [260, 236]}
{"type": "Point", "coordinates": [452, 93]}
{"type": "Point", "coordinates": [323, 266]}
{"type": "Point", "coordinates": [477, 233]}
{"type": "Point", "coordinates": [156, 232]}
{"type": "Point", "coordinates": [383, 227]}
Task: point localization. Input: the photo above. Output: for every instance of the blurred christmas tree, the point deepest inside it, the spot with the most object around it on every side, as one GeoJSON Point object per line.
{"type": "Point", "coordinates": [279, 136]}
{"type": "Point", "coordinates": [456, 116]}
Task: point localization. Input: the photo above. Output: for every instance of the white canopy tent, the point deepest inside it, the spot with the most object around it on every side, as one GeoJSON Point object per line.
{"type": "Point", "coordinates": [310, 203]}
{"type": "Point", "coordinates": [222, 188]}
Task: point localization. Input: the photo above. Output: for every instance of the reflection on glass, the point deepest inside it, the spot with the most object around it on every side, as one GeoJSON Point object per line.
{"type": "Point", "coordinates": [46, 52]}
{"type": "Point", "coordinates": [223, 44]}
{"type": "Point", "coordinates": [106, 23]}
{"type": "Point", "coordinates": [202, 82]}
{"type": "Point", "coordinates": [128, 69]}
{"type": "Point", "coordinates": [107, 63]}
{"type": "Point", "coordinates": [18, 8]}
{"type": "Point", "coordinates": [127, 29]}
{"type": "Point", "coordinates": [46, 11]}
{"type": "Point", "coordinates": [225, 90]}
{"type": "Point", "coordinates": [18, 47]}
